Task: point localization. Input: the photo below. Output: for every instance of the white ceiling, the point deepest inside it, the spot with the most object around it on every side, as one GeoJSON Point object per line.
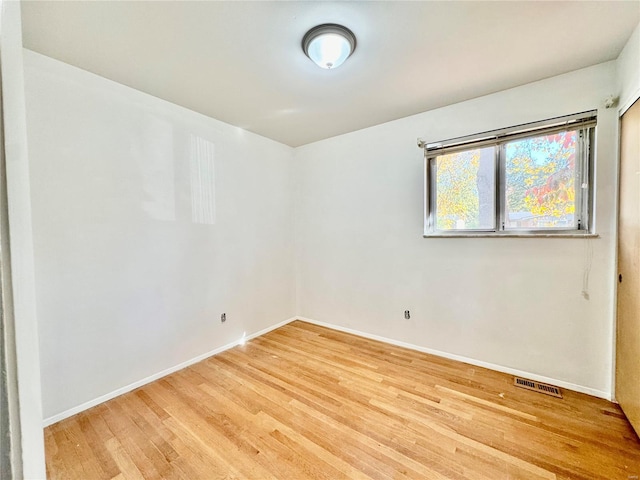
{"type": "Point", "coordinates": [241, 62]}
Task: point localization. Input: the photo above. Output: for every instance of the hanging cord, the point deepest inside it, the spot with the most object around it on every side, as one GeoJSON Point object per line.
{"type": "Point", "coordinates": [588, 260]}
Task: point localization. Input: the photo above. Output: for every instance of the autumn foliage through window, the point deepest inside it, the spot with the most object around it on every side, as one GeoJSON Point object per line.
{"type": "Point", "coordinates": [529, 183]}
{"type": "Point", "coordinates": [541, 181]}
{"type": "Point", "coordinates": [465, 190]}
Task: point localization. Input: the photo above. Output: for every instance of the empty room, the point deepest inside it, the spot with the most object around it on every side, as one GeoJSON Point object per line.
{"type": "Point", "coordinates": [320, 240]}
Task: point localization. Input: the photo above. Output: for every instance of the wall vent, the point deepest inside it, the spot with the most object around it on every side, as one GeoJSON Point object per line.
{"type": "Point", "coordinates": [537, 387]}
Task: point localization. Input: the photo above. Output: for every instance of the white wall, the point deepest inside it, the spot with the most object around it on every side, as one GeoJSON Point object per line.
{"type": "Point", "coordinates": [25, 328]}
{"type": "Point", "coordinates": [510, 302]}
{"type": "Point", "coordinates": [628, 66]}
{"type": "Point", "coordinates": [149, 221]}
{"type": "Point", "coordinates": [141, 242]}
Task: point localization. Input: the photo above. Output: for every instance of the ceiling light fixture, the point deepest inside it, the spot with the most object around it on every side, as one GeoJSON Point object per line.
{"type": "Point", "coordinates": [329, 45]}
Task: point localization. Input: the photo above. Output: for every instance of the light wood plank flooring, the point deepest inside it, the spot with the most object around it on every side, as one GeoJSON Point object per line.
{"type": "Point", "coordinates": [308, 402]}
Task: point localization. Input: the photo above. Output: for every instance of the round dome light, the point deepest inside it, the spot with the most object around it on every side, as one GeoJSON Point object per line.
{"type": "Point", "coordinates": [329, 45]}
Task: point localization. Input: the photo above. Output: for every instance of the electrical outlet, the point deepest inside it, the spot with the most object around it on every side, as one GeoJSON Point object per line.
{"type": "Point", "coordinates": [407, 315]}
{"type": "Point", "coordinates": [223, 317]}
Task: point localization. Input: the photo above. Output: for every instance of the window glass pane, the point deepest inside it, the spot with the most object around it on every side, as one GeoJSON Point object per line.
{"type": "Point", "coordinates": [465, 190]}
{"type": "Point", "coordinates": [540, 181]}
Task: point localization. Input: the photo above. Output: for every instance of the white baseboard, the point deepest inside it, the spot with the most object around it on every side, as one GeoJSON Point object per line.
{"type": "Point", "coordinates": [512, 371]}
{"type": "Point", "coordinates": [471, 361]}
{"type": "Point", "coordinates": [132, 386]}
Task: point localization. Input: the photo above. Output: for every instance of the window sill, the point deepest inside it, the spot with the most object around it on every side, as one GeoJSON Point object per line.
{"type": "Point", "coordinates": [511, 235]}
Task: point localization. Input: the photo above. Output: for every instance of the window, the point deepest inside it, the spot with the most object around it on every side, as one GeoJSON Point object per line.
{"type": "Point", "coordinates": [528, 179]}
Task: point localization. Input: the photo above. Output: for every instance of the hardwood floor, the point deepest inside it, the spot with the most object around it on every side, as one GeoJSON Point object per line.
{"type": "Point", "coordinates": [308, 402]}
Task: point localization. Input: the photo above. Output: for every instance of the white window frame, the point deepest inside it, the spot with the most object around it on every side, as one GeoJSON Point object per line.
{"type": "Point", "coordinates": [584, 123]}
